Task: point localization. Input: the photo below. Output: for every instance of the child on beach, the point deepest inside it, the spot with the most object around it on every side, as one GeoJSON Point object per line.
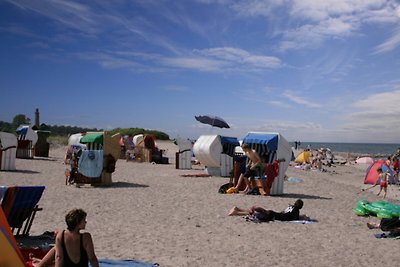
{"type": "Point", "coordinates": [383, 178]}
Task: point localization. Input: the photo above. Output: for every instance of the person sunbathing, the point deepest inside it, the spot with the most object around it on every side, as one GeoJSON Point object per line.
{"type": "Point", "coordinates": [391, 225]}
{"type": "Point", "coordinates": [291, 213]}
{"type": "Point", "coordinates": [73, 249]}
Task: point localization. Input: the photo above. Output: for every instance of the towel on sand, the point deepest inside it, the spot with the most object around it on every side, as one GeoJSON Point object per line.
{"type": "Point", "coordinates": [124, 263]}
{"type": "Point", "coordinates": [385, 235]}
{"type": "Point", "coordinates": [301, 221]}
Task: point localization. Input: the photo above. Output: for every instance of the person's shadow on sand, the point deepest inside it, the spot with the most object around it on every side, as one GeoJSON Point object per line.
{"type": "Point", "coordinates": [296, 196]}
{"type": "Point", "coordinates": [122, 185]}
{"type": "Point", "coordinates": [21, 171]}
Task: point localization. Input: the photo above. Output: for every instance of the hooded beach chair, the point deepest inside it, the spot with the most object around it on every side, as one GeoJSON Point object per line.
{"type": "Point", "coordinates": [20, 204]}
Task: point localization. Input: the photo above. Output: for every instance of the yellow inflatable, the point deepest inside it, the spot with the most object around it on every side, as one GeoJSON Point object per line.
{"type": "Point", "coordinates": [303, 157]}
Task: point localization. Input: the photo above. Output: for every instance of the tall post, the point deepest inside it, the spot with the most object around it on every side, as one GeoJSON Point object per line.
{"type": "Point", "coordinates": [37, 118]}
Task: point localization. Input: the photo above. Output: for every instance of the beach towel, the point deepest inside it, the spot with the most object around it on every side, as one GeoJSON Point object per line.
{"type": "Point", "coordinates": [253, 218]}
{"type": "Point", "coordinates": [389, 236]}
{"type": "Point", "coordinates": [91, 163]}
{"type": "Point", "coordinates": [125, 263]}
{"type": "Point", "coordinates": [301, 221]}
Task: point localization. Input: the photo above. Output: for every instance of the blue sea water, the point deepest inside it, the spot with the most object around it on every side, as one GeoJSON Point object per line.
{"type": "Point", "coordinates": [358, 148]}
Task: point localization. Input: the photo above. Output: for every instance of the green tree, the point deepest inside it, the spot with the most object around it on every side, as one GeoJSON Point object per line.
{"type": "Point", "coordinates": [20, 119]}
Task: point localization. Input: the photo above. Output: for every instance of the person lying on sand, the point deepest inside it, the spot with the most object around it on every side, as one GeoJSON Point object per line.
{"type": "Point", "coordinates": [291, 213]}
{"type": "Point", "coordinates": [391, 225]}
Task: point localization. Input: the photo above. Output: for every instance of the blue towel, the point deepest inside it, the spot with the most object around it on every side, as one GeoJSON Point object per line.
{"type": "Point", "coordinates": [125, 263]}
{"type": "Point", "coordinates": [91, 163]}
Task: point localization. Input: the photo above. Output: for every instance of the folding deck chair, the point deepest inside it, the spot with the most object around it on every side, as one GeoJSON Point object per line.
{"type": "Point", "coordinates": [20, 204]}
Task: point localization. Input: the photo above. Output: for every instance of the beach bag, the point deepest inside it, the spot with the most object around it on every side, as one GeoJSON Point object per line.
{"type": "Point", "coordinates": [224, 187]}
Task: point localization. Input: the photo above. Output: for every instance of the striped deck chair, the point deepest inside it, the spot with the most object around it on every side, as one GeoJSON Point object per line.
{"type": "Point", "coordinates": [20, 204]}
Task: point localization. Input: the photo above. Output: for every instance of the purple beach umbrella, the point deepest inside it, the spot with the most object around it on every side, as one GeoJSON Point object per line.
{"type": "Point", "coordinates": [213, 121]}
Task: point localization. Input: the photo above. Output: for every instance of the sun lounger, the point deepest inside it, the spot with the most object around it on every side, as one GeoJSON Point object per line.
{"type": "Point", "coordinates": [20, 204]}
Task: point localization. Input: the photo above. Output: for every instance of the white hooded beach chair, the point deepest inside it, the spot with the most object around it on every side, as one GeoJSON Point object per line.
{"type": "Point", "coordinates": [8, 151]}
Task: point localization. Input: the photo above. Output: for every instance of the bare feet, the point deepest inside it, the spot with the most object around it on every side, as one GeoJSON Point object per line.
{"type": "Point", "coordinates": [372, 226]}
{"type": "Point", "coordinates": [246, 190]}
{"type": "Point", "coordinates": [233, 211]}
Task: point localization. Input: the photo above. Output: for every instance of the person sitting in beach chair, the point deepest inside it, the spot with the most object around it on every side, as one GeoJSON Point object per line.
{"type": "Point", "coordinates": [291, 213]}
{"type": "Point", "coordinates": [254, 167]}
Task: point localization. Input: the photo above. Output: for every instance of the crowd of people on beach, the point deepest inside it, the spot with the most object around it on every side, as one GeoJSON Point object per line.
{"type": "Point", "coordinates": [254, 167]}
{"type": "Point", "coordinates": [75, 248]}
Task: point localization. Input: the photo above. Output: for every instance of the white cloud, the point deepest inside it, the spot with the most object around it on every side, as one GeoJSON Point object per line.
{"type": "Point", "coordinates": [279, 104]}
{"type": "Point", "coordinates": [325, 19]}
{"type": "Point", "coordinates": [378, 117]}
{"type": "Point", "coordinates": [323, 9]}
{"type": "Point", "coordinates": [240, 57]}
{"type": "Point", "coordinates": [300, 100]}
{"type": "Point", "coordinates": [70, 14]}
{"type": "Point", "coordinates": [256, 7]}
{"type": "Point", "coordinates": [390, 44]}
{"type": "Point", "coordinates": [195, 63]}
{"type": "Point", "coordinates": [208, 60]}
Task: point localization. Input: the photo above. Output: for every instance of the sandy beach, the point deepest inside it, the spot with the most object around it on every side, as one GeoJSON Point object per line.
{"type": "Point", "coordinates": [153, 214]}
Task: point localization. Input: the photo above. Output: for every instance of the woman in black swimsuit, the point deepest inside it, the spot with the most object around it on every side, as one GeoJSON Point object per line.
{"type": "Point", "coordinates": [75, 249]}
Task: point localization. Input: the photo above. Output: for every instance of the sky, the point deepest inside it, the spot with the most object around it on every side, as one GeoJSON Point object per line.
{"type": "Point", "coordinates": [311, 70]}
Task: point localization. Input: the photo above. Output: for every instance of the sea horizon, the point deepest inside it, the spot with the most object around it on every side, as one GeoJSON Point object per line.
{"type": "Point", "coordinates": [375, 149]}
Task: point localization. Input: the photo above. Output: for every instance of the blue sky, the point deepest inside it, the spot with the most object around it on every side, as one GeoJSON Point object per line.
{"type": "Point", "coordinates": [312, 70]}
